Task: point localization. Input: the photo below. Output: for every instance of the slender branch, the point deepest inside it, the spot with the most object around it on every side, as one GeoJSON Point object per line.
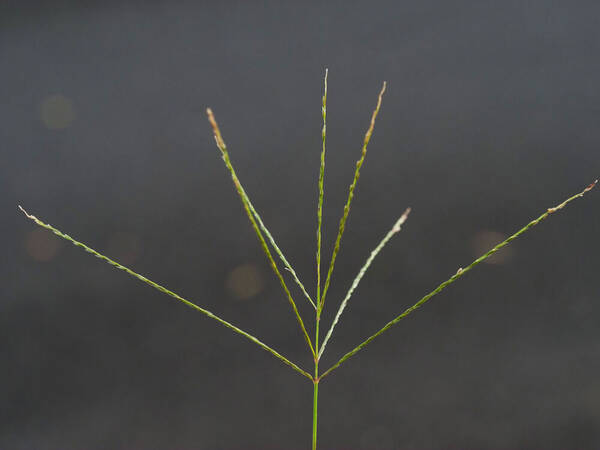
{"type": "Point", "coordinates": [168, 292]}
{"type": "Point", "coordinates": [395, 229]}
{"type": "Point", "coordinates": [342, 225]}
{"type": "Point", "coordinates": [321, 192]}
{"type": "Point", "coordinates": [456, 276]}
{"type": "Point", "coordinates": [286, 264]}
{"type": "Point", "coordinates": [246, 202]}
{"type": "Point", "coordinates": [319, 223]}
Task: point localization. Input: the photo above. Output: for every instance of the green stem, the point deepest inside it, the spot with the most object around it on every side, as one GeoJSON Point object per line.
{"type": "Point", "coordinates": [315, 399]}
{"type": "Point", "coordinates": [316, 384]}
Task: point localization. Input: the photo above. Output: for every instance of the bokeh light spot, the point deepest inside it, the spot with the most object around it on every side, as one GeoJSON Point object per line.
{"type": "Point", "coordinates": [245, 281]}
{"type": "Point", "coordinates": [485, 240]}
{"type": "Point", "coordinates": [57, 112]}
{"type": "Point", "coordinates": [41, 245]}
{"type": "Point", "coordinates": [124, 247]}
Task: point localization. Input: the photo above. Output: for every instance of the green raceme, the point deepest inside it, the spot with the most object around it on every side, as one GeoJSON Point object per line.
{"type": "Point", "coordinates": [268, 244]}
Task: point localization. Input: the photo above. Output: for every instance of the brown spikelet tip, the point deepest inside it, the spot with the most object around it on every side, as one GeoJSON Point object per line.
{"type": "Point", "coordinates": [211, 118]}
{"type": "Point", "coordinates": [216, 130]}
{"type": "Point", "coordinates": [401, 220]}
{"type": "Point", "coordinates": [591, 186]}
{"type": "Point", "coordinates": [383, 88]}
{"type": "Point", "coordinates": [373, 117]}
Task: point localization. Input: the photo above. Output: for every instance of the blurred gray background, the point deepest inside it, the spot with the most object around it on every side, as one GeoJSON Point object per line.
{"type": "Point", "coordinates": [491, 117]}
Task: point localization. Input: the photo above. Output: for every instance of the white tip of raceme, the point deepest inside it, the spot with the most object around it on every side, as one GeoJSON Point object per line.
{"type": "Point", "coordinates": [401, 220]}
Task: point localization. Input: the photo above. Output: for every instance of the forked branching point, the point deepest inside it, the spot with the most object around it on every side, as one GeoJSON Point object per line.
{"type": "Point", "coordinates": [318, 304]}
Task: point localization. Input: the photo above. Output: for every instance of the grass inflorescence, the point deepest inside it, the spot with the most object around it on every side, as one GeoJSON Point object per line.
{"type": "Point", "coordinates": [268, 243]}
